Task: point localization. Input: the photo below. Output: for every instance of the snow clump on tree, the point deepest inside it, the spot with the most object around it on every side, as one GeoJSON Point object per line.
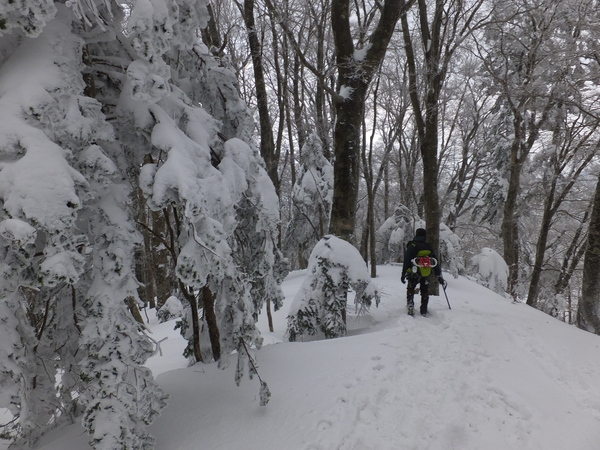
{"type": "Point", "coordinates": [490, 270]}
{"type": "Point", "coordinates": [319, 308]}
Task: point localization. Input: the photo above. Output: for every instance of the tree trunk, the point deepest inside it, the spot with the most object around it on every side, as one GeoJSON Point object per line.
{"type": "Point", "coordinates": [210, 34]}
{"type": "Point", "coordinates": [346, 140]}
{"type": "Point", "coordinates": [144, 270]}
{"type": "Point", "coordinates": [267, 144]}
{"type": "Point", "coordinates": [133, 308]}
{"type": "Point", "coordinates": [354, 77]}
{"type": "Point", "coordinates": [208, 304]}
{"type": "Point", "coordinates": [270, 316]}
{"type": "Point", "coordinates": [509, 227]}
{"type": "Point", "coordinates": [160, 258]}
{"type": "Point", "coordinates": [426, 111]}
{"type": "Point", "coordinates": [588, 311]}
{"type": "Point", "coordinates": [540, 248]}
{"type": "Point", "coordinates": [191, 298]}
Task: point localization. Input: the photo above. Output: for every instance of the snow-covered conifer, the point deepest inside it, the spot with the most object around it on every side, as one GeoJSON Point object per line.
{"type": "Point", "coordinates": [490, 270]}
{"type": "Point", "coordinates": [224, 205]}
{"type": "Point", "coordinates": [319, 308]}
{"type": "Point", "coordinates": [172, 309]}
{"type": "Point", "coordinates": [67, 244]}
{"type": "Point", "coordinates": [311, 202]}
{"type": "Point", "coordinates": [115, 383]}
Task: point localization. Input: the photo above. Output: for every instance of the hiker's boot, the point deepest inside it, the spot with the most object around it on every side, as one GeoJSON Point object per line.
{"type": "Point", "coordinates": [410, 304]}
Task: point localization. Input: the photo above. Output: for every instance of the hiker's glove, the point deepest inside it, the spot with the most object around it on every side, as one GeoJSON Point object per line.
{"type": "Point", "coordinates": [441, 281]}
{"type": "Point", "coordinates": [403, 279]}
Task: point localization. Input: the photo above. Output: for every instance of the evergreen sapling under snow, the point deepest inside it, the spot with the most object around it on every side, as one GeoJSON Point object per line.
{"type": "Point", "coordinates": [319, 308]}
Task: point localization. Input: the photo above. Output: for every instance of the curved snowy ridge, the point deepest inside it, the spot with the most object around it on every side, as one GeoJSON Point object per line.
{"type": "Point", "coordinates": [486, 375]}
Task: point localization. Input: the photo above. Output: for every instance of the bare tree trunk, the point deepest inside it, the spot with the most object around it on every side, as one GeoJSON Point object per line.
{"type": "Point", "coordinates": [270, 316]}
{"type": "Point", "coordinates": [510, 227]}
{"type": "Point", "coordinates": [298, 117]}
{"type": "Point", "coordinates": [346, 168]}
{"type": "Point", "coordinates": [144, 270]}
{"type": "Point", "coordinates": [208, 304]}
{"type": "Point", "coordinates": [267, 144]}
{"type": "Point", "coordinates": [386, 191]}
{"type": "Point", "coordinates": [524, 137]}
{"type": "Point", "coordinates": [355, 76]}
{"type": "Point", "coordinates": [210, 34]}
{"type": "Point", "coordinates": [426, 111]}
{"type": "Point", "coordinates": [160, 258]}
{"type": "Point", "coordinates": [588, 311]}
{"type": "Point", "coordinates": [133, 308]}
{"type": "Point", "coordinates": [193, 301]}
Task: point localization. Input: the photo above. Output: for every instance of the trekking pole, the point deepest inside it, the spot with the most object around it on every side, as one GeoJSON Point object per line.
{"type": "Point", "coordinates": [444, 287]}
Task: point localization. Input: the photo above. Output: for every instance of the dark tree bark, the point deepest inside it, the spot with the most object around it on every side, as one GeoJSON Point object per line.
{"type": "Point", "coordinates": [193, 301]}
{"type": "Point", "coordinates": [588, 312]}
{"type": "Point", "coordinates": [267, 143]}
{"type": "Point", "coordinates": [353, 80]}
{"type": "Point", "coordinates": [441, 32]}
{"type": "Point", "coordinates": [208, 304]}
{"type": "Point", "coordinates": [133, 308]}
{"type": "Point", "coordinates": [210, 34]}
{"type": "Point", "coordinates": [426, 110]}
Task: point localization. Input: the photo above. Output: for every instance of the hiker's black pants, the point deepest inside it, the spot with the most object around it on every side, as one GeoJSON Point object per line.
{"type": "Point", "coordinates": [412, 282]}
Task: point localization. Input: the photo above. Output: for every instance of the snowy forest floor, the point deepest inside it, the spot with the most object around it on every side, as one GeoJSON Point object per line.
{"type": "Point", "coordinates": [488, 374]}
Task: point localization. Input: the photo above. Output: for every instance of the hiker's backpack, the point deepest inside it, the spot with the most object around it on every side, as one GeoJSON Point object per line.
{"type": "Point", "coordinates": [423, 262]}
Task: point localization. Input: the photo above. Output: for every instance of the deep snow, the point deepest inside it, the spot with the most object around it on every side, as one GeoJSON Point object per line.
{"type": "Point", "coordinates": [488, 374]}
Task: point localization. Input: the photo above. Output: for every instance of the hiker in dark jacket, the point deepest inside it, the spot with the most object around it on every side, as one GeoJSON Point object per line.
{"type": "Point", "coordinates": [419, 249]}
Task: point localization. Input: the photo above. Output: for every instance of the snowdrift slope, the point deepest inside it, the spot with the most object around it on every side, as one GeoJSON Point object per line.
{"type": "Point", "coordinates": [487, 375]}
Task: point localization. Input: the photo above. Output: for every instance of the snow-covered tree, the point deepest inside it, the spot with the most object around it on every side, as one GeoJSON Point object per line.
{"type": "Point", "coordinates": [172, 309]}
{"type": "Point", "coordinates": [392, 236]}
{"type": "Point", "coordinates": [311, 202]}
{"type": "Point", "coordinates": [450, 252]}
{"type": "Point", "coordinates": [67, 237]}
{"type": "Point", "coordinates": [67, 241]}
{"type": "Point", "coordinates": [224, 206]}
{"type": "Point", "coordinates": [490, 270]}
{"type": "Point", "coordinates": [319, 308]}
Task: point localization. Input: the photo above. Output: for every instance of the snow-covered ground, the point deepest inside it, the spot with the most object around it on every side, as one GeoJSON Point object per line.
{"type": "Point", "coordinates": [486, 375]}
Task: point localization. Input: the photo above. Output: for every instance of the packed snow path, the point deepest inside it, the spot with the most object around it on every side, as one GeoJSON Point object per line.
{"type": "Point", "coordinates": [486, 375]}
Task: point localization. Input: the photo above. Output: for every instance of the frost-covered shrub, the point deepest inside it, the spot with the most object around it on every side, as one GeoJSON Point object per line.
{"type": "Point", "coordinates": [172, 309]}
{"type": "Point", "coordinates": [318, 309]}
{"type": "Point", "coordinates": [490, 270]}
